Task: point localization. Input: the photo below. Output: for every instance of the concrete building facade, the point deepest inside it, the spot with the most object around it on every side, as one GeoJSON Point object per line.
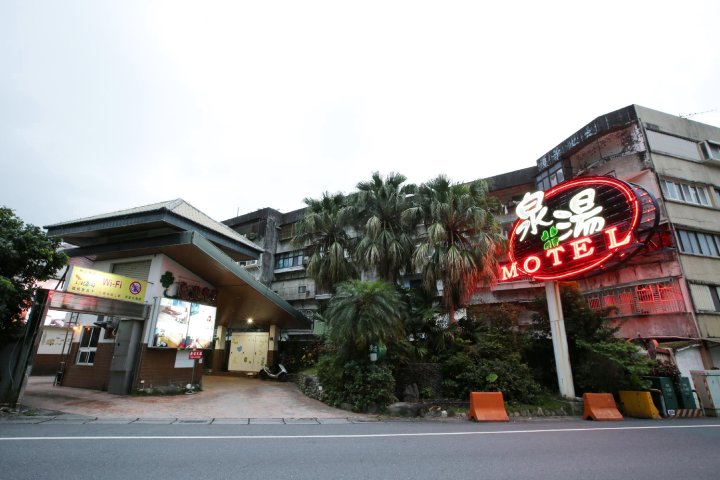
{"type": "Point", "coordinates": [669, 292]}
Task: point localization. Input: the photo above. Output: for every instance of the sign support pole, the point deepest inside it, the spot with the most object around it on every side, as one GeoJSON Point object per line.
{"type": "Point", "coordinates": [559, 339]}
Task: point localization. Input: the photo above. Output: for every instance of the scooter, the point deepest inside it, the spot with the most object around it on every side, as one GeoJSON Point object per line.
{"type": "Point", "coordinates": [281, 375]}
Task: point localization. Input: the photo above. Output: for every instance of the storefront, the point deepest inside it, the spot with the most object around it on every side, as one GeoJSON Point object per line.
{"type": "Point", "coordinates": [181, 268]}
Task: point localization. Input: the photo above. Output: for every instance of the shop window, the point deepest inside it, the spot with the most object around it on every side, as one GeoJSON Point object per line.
{"type": "Point", "coordinates": [88, 345]}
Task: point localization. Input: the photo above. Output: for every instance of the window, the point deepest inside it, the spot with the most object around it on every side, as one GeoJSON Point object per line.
{"type": "Point", "coordinates": [685, 192]}
{"type": "Point", "coordinates": [698, 243]}
{"type": "Point", "coordinates": [289, 259]}
{"type": "Point", "coordinates": [711, 150]}
{"type": "Point", "coordinates": [550, 178]}
{"type": "Point", "coordinates": [287, 231]}
{"type": "Point", "coordinates": [706, 297]}
{"type": "Point", "coordinates": [302, 289]}
{"type": "Point", "coordinates": [88, 345]}
{"type": "Point", "coordinates": [671, 145]}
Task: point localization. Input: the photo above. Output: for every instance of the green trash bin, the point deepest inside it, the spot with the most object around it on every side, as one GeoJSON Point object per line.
{"type": "Point", "coordinates": [685, 395]}
{"type": "Point", "coordinates": [663, 387]}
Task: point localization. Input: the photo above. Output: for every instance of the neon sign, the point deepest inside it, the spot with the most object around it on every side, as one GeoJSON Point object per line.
{"type": "Point", "coordinates": [578, 228]}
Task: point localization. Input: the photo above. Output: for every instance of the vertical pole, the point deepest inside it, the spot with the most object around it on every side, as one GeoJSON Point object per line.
{"type": "Point", "coordinates": [559, 339]}
{"type": "Point", "coordinates": [192, 380]}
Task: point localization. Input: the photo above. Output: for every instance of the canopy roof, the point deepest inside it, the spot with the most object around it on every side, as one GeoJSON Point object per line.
{"type": "Point", "coordinates": [205, 247]}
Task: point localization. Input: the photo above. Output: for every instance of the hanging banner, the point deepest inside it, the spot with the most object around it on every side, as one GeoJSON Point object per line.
{"type": "Point", "coordinates": [105, 285]}
{"type": "Point", "coordinates": [580, 227]}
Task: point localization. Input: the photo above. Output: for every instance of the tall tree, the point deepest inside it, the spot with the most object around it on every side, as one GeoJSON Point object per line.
{"type": "Point", "coordinates": [386, 244]}
{"type": "Point", "coordinates": [27, 256]}
{"type": "Point", "coordinates": [461, 242]}
{"type": "Point", "coordinates": [362, 314]}
{"type": "Point", "coordinates": [323, 232]}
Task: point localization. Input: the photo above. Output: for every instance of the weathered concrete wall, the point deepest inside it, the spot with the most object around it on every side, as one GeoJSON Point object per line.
{"type": "Point", "coordinates": [704, 269]}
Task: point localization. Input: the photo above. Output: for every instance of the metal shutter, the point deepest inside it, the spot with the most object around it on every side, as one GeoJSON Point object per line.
{"type": "Point", "coordinates": [137, 270]}
{"type": "Point", "coordinates": [701, 296]}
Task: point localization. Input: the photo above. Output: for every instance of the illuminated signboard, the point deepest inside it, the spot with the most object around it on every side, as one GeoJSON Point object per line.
{"type": "Point", "coordinates": [105, 285]}
{"type": "Point", "coordinates": [182, 324]}
{"type": "Point", "coordinates": [578, 228]}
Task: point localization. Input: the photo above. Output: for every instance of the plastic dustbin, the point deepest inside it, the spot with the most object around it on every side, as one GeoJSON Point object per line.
{"type": "Point", "coordinates": [686, 398]}
{"type": "Point", "coordinates": [663, 387]}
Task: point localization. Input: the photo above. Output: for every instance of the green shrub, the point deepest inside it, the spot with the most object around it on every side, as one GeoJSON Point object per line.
{"type": "Point", "coordinates": [465, 373]}
{"type": "Point", "coordinates": [601, 361]}
{"type": "Point", "coordinates": [364, 386]}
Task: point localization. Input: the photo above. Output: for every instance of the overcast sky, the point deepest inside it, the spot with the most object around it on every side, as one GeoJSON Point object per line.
{"type": "Point", "coordinates": [235, 106]}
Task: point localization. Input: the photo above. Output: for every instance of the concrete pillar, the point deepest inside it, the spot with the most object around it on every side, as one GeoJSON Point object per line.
{"type": "Point", "coordinates": [273, 345]}
{"type": "Point", "coordinates": [559, 339]}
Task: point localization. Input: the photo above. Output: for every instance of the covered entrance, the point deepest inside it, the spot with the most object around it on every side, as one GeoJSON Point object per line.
{"type": "Point", "coordinates": [193, 282]}
{"type": "Point", "coordinates": [123, 321]}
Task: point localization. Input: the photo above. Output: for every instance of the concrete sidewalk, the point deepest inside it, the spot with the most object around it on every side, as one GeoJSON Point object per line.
{"type": "Point", "coordinates": [241, 400]}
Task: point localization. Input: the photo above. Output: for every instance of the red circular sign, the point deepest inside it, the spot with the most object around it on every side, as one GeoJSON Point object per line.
{"type": "Point", "coordinates": [579, 227]}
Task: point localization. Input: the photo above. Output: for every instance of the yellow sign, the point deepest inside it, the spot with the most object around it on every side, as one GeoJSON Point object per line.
{"type": "Point", "coordinates": [106, 285]}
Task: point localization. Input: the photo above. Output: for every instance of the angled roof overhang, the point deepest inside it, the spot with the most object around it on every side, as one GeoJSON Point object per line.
{"type": "Point", "coordinates": [206, 247]}
{"type": "Point", "coordinates": [150, 222]}
{"type": "Point", "coordinates": [239, 293]}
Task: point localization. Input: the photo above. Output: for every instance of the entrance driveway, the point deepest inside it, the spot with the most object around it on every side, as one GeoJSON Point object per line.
{"type": "Point", "coordinates": [222, 397]}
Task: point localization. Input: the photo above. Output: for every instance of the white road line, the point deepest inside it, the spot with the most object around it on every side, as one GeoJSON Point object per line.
{"type": "Point", "coordinates": [374, 435]}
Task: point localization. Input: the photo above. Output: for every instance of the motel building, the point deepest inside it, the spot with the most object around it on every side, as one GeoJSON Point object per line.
{"type": "Point", "coordinates": [154, 297]}
{"type": "Point", "coordinates": [629, 208]}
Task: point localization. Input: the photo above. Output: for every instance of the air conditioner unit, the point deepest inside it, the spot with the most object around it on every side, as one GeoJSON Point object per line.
{"type": "Point", "coordinates": [711, 151]}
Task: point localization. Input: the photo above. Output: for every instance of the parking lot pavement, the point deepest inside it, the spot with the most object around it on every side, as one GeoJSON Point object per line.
{"type": "Point", "coordinates": [233, 398]}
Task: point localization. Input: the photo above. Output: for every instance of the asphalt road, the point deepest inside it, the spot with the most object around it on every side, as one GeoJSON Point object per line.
{"type": "Point", "coordinates": [636, 449]}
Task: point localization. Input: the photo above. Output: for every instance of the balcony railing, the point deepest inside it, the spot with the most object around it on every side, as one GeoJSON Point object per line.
{"type": "Point", "coordinates": [643, 299]}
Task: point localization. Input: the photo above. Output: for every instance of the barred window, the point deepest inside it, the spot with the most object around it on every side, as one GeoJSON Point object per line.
{"type": "Point", "coordinates": [656, 297]}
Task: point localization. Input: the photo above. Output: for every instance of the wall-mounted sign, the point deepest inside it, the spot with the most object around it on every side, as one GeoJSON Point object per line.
{"type": "Point", "coordinates": [182, 324]}
{"type": "Point", "coordinates": [105, 285]}
{"type": "Point", "coordinates": [193, 293]}
{"type": "Point", "coordinates": [578, 228]}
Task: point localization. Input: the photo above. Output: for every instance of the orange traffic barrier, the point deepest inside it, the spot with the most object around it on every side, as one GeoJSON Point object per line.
{"type": "Point", "coordinates": [488, 407]}
{"type": "Point", "coordinates": [600, 406]}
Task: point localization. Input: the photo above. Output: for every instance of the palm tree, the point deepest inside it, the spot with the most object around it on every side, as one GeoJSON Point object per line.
{"type": "Point", "coordinates": [362, 314]}
{"type": "Point", "coordinates": [462, 239]}
{"type": "Point", "coordinates": [385, 244]}
{"type": "Point", "coordinates": [323, 233]}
